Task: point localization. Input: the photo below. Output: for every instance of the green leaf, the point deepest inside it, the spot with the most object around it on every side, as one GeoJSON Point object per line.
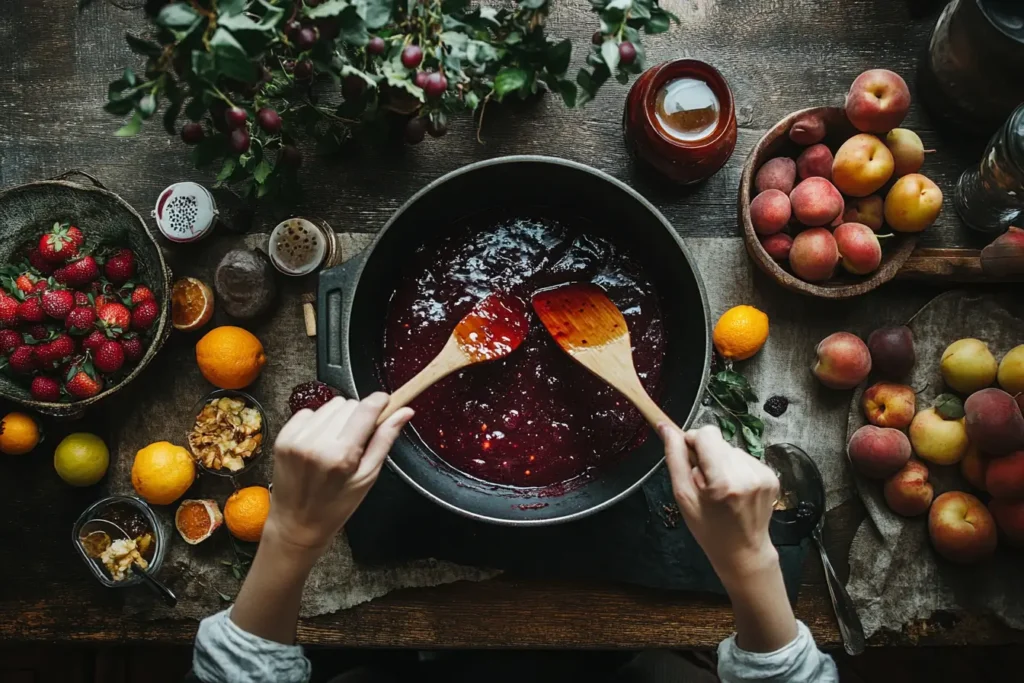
{"type": "Point", "coordinates": [262, 171]}
{"type": "Point", "coordinates": [610, 54]}
{"type": "Point", "coordinates": [375, 13]}
{"type": "Point", "coordinates": [331, 8]}
{"type": "Point", "coordinates": [131, 128]}
{"type": "Point", "coordinates": [229, 8]}
{"type": "Point", "coordinates": [658, 23]}
{"type": "Point", "coordinates": [209, 149]}
{"type": "Point", "coordinates": [119, 107]}
{"type": "Point", "coordinates": [619, 5]}
{"type": "Point", "coordinates": [140, 46]}
{"type": "Point", "coordinates": [641, 9]}
{"type": "Point", "coordinates": [590, 83]}
{"type": "Point", "coordinates": [472, 101]}
{"type": "Point", "coordinates": [179, 15]}
{"type": "Point", "coordinates": [557, 56]}
{"type": "Point", "coordinates": [532, 4]}
{"type": "Point", "coordinates": [129, 77]}
{"type": "Point", "coordinates": [227, 169]}
{"type": "Point", "coordinates": [480, 53]}
{"type": "Point", "coordinates": [949, 407]}
{"type": "Point", "coordinates": [567, 89]}
{"type": "Point", "coordinates": [230, 58]}
{"type": "Point", "coordinates": [239, 22]}
{"type": "Point", "coordinates": [171, 115]}
{"type": "Point", "coordinates": [147, 105]}
{"type": "Point", "coordinates": [755, 423]}
{"type": "Point", "coordinates": [508, 80]}
{"type": "Point", "coordinates": [727, 425]}
{"type": "Point", "coordinates": [356, 34]}
{"type": "Point", "coordinates": [754, 445]}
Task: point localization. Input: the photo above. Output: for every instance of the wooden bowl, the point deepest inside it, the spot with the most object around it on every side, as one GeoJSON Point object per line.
{"type": "Point", "coordinates": [895, 250]}
{"type": "Point", "coordinates": [26, 211]}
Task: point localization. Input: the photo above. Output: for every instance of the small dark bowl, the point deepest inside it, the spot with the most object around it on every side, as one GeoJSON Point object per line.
{"type": "Point", "coordinates": [26, 211]}
{"type": "Point", "coordinates": [250, 461]}
{"type": "Point", "coordinates": [895, 251]}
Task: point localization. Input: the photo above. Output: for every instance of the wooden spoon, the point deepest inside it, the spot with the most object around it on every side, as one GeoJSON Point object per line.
{"type": "Point", "coordinates": [494, 328]}
{"type": "Point", "coordinates": [591, 329]}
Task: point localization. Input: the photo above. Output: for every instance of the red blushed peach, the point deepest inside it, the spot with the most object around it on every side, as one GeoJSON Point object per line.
{"type": "Point", "coordinates": [908, 492]}
{"type": "Point", "coordinates": [973, 468]}
{"type": "Point", "coordinates": [1009, 516]}
{"type": "Point", "coordinates": [1004, 477]}
{"type": "Point", "coordinates": [807, 130]}
{"type": "Point", "coordinates": [815, 161]}
{"type": "Point", "coordinates": [770, 212]}
{"type": "Point", "coordinates": [814, 255]}
{"type": "Point", "coordinates": [776, 174]}
{"type": "Point", "coordinates": [778, 246]}
{"type": "Point", "coordinates": [859, 248]}
{"type": "Point", "coordinates": [878, 452]}
{"type": "Point", "coordinates": [961, 528]}
{"type": "Point", "coordinates": [878, 101]}
{"type": "Point", "coordinates": [863, 164]}
{"type": "Point", "coordinates": [843, 361]}
{"type": "Point", "coordinates": [867, 210]}
{"type": "Point", "coordinates": [816, 202]}
{"type": "Point", "coordinates": [889, 405]}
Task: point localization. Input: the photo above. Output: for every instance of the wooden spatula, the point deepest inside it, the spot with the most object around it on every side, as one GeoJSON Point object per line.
{"type": "Point", "coordinates": [588, 326]}
{"type": "Point", "coordinates": [494, 328]}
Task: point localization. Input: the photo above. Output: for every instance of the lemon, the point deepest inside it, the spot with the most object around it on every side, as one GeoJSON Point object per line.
{"type": "Point", "coordinates": [81, 459]}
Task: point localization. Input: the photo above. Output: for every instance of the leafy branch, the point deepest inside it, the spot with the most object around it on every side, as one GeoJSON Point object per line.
{"type": "Point", "coordinates": [732, 393]}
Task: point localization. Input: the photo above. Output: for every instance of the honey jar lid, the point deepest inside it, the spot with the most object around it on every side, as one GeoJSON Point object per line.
{"type": "Point", "coordinates": [298, 246]}
{"type": "Point", "coordinates": [185, 212]}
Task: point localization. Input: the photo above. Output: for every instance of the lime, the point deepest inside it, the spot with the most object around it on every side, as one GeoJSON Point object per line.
{"type": "Point", "coordinates": [81, 459]}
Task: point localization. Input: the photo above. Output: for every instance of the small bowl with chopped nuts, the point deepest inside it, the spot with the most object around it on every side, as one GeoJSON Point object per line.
{"type": "Point", "coordinates": [226, 437]}
{"type": "Point", "coordinates": [113, 561]}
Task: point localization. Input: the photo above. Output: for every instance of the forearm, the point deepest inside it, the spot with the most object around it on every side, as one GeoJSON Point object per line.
{"type": "Point", "coordinates": [764, 617]}
{"type": "Point", "coordinates": [268, 604]}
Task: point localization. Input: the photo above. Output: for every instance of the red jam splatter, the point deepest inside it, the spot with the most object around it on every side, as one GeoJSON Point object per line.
{"type": "Point", "coordinates": [534, 418]}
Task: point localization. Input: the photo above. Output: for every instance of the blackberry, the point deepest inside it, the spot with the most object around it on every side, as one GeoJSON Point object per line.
{"type": "Point", "coordinates": [776, 405]}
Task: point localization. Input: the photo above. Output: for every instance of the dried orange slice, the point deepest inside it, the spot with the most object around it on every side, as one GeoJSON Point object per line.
{"type": "Point", "coordinates": [191, 304]}
{"type": "Point", "coordinates": [196, 520]}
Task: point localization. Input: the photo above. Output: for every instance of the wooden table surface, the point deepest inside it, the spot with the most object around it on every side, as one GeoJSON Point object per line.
{"type": "Point", "coordinates": [54, 67]}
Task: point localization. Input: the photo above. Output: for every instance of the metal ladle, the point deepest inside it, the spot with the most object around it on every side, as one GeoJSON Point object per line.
{"type": "Point", "coordinates": [803, 491]}
{"type": "Point", "coordinates": [97, 535]}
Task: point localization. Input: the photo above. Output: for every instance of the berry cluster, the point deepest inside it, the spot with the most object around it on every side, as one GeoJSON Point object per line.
{"type": "Point", "coordinates": [71, 317]}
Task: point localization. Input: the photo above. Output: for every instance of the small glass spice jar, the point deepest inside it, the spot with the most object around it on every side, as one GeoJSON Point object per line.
{"type": "Point", "coordinates": [991, 196]}
{"type": "Point", "coordinates": [680, 119]}
{"type": "Point", "coordinates": [185, 212]}
{"type": "Point", "coordinates": [299, 246]}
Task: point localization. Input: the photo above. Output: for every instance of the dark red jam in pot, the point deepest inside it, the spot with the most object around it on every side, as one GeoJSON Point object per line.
{"type": "Point", "coordinates": [533, 418]}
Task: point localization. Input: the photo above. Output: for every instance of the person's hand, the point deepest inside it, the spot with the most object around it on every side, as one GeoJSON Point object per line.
{"type": "Point", "coordinates": [726, 498]}
{"type": "Point", "coordinates": [324, 464]}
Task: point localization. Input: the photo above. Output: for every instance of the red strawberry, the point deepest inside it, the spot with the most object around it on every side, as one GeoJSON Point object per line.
{"type": "Point", "coordinates": [82, 381]}
{"type": "Point", "coordinates": [142, 293]}
{"type": "Point", "coordinates": [53, 353]}
{"type": "Point", "coordinates": [114, 317]}
{"type": "Point", "coordinates": [82, 299]}
{"type": "Point", "coordinates": [145, 314]}
{"type": "Point", "coordinates": [10, 340]}
{"type": "Point", "coordinates": [109, 357]}
{"type": "Point", "coordinates": [80, 320]}
{"type": "Point", "coordinates": [133, 350]}
{"type": "Point", "coordinates": [41, 286]}
{"type": "Point", "coordinates": [38, 332]}
{"type": "Point", "coordinates": [25, 283]}
{"type": "Point", "coordinates": [93, 341]}
{"type": "Point", "coordinates": [35, 258]}
{"type": "Point", "coordinates": [58, 303]}
{"type": "Point", "coordinates": [8, 310]}
{"type": "Point", "coordinates": [61, 243]}
{"type": "Point", "coordinates": [45, 389]}
{"type": "Point", "coordinates": [31, 311]}
{"type": "Point", "coordinates": [120, 267]}
{"type": "Point", "coordinates": [23, 359]}
{"type": "Point", "coordinates": [78, 273]}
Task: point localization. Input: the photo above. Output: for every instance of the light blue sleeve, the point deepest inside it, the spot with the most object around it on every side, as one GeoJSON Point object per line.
{"type": "Point", "coordinates": [224, 653]}
{"type": "Point", "coordinates": [798, 662]}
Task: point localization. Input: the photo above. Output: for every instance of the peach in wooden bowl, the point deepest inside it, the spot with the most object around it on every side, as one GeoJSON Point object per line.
{"type": "Point", "coordinates": [798, 228]}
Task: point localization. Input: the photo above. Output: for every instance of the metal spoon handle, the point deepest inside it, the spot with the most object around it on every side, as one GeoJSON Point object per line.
{"type": "Point", "coordinates": [169, 598]}
{"type": "Point", "coordinates": [850, 627]}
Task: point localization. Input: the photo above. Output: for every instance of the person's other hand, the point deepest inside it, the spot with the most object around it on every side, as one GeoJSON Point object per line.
{"type": "Point", "coordinates": [324, 464]}
{"type": "Point", "coordinates": [725, 496]}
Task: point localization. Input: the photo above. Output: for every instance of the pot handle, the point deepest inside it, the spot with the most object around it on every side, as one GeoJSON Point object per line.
{"type": "Point", "coordinates": [73, 172]}
{"type": "Point", "coordinates": [333, 287]}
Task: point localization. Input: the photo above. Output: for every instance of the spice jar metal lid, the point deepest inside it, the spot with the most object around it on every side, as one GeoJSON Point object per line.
{"type": "Point", "coordinates": [185, 212]}
{"type": "Point", "coordinates": [298, 246]}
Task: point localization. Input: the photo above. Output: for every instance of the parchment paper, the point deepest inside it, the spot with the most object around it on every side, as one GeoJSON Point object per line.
{"type": "Point", "coordinates": [895, 576]}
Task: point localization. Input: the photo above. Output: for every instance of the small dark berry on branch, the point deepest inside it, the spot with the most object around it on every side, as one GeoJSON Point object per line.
{"type": "Point", "coordinates": [412, 55]}
{"type": "Point", "coordinates": [627, 53]}
{"type": "Point", "coordinates": [435, 85]}
{"type": "Point", "coordinates": [376, 46]}
{"type": "Point", "coordinates": [192, 133]}
{"type": "Point", "coordinates": [240, 140]}
{"type": "Point", "coordinates": [235, 117]}
{"type": "Point", "coordinates": [269, 120]}
{"type": "Point", "coordinates": [415, 129]}
{"type": "Point", "coordinates": [304, 70]}
{"type": "Point", "coordinates": [305, 39]}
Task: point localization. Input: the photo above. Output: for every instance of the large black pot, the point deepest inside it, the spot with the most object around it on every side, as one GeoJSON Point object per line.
{"type": "Point", "coordinates": [353, 300]}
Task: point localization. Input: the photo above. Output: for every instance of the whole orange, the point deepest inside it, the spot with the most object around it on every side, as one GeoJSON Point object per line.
{"type": "Point", "coordinates": [19, 434]}
{"type": "Point", "coordinates": [230, 357]}
{"type": "Point", "coordinates": [246, 511]}
{"type": "Point", "coordinates": [740, 332]}
{"type": "Point", "coordinates": [162, 472]}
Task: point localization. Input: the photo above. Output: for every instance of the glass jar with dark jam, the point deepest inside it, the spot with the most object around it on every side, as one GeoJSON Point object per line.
{"type": "Point", "coordinates": [680, 119]}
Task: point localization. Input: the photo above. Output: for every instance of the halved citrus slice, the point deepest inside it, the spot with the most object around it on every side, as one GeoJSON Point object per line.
{"type": "Point", "coordinates": [196, 520]}
{"type": "Point", "coordinates": [191, 304]}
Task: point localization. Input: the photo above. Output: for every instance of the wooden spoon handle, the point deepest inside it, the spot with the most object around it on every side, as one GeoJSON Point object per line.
{"type": "Point", "coordinates": [448, 361]}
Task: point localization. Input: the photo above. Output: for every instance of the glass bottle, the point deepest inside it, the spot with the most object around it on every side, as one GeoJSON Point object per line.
{"type": "Point", "coordinates": [991, 196]}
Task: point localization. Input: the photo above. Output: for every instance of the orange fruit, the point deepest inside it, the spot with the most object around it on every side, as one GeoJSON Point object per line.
{"type": "Point", "coordinates": [230, 357]}
{"type": "Point", "coordinates": [196, 520]}
{"type": "Point", "coordinates": [162, 472]}
{"type": "Point", "coordinates": [19, 434]}
{"type": "Point", "coordinates": [246, 512]}
{"type": "Point", "coordinates": [740, 332]}
{"type": "Point", "coordinates": [191, 304]}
